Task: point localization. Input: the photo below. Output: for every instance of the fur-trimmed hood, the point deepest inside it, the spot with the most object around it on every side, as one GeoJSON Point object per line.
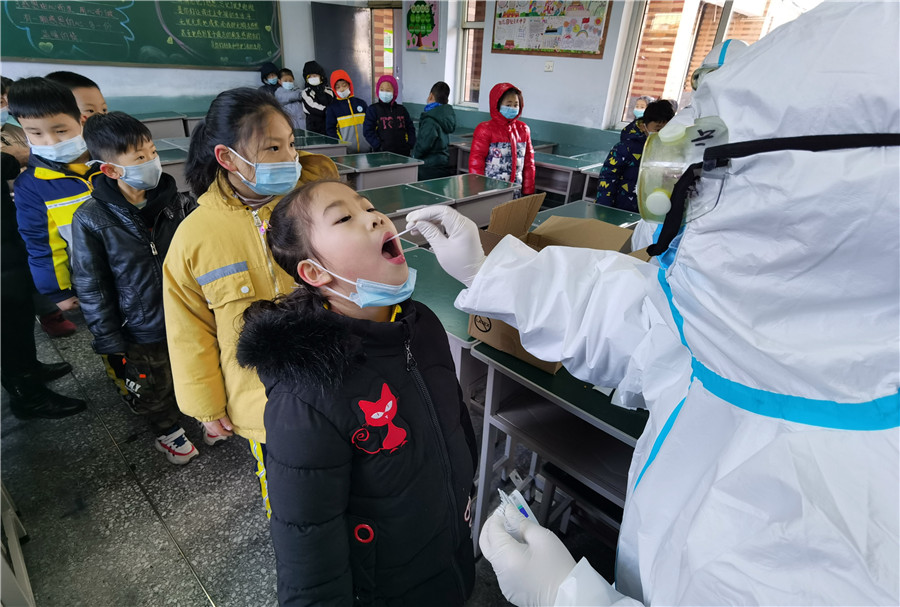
{"type": "Point", "coordinates": [311, 346]}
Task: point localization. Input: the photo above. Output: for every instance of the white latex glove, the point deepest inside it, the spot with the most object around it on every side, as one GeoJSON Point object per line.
{"type": "Point", "coordinates": [459, 251]}
{"type": "Point", "coordinates": [529, 573]}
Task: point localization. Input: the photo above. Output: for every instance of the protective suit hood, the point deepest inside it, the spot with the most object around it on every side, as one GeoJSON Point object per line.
{"type": "Point", "coordinates": [758, 288]}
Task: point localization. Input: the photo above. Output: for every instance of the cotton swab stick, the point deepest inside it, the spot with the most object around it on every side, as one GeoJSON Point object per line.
{"type": "Point", "coordinates": [398, 235]}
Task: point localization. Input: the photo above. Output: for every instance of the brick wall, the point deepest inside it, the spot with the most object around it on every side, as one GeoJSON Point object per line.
{"type": "Point", "coordinates": [382, 19]}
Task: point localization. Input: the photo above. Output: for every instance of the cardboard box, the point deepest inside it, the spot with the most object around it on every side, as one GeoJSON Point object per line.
{"type": "Point", "coordinates": [515, 218]}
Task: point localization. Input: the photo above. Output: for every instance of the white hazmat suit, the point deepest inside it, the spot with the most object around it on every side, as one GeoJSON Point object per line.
{"type": "Point", "coordinates": [768, 353]}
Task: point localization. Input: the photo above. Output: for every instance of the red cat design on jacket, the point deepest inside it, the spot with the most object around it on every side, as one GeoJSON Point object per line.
{"type": "Point", "coordinates": [380, 413]}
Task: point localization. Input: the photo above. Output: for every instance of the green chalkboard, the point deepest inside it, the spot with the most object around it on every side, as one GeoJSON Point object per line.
{"type": "Point", "coordinates": [176, 33]}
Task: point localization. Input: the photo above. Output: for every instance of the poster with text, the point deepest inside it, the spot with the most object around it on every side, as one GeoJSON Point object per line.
{"type": "Point", "coordinates": [575, 28]}
{"type": "Point", "coordinates": [422, 25]}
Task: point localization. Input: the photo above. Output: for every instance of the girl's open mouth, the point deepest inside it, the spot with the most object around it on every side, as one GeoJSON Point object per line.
{"type": "Point", "coordinates": [391, 250]}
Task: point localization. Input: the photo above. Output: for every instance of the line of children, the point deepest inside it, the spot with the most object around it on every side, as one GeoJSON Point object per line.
{"type": "Point", "coordinates": [371, 451]}
{"type": "Point", "coordinates": [387, 125]}
{"type": "Point", "coordinates": [345, 116]}
{"type": "Point", "coordinates": [437, 122]}
{"type": "Point", "coordinates": [316, 97]}
{"type": "Point", "coordinates": [288, 96]}
{"type": "Point", "coordinates": [617, 183]}
{"type": "Point", "coordinates": [501, 147]}
{"type": "Point", "coordinates": [120, 237]}
{"type": "Point", "coordinates": [241, 161]}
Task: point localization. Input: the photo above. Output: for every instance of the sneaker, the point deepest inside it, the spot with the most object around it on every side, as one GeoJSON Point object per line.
{"type": "Point", "coordinates": [209, 438]}
{"type": "Point", "coordinates": [178, 449]}
{"type": "Point", "coordinates": [57, 325]}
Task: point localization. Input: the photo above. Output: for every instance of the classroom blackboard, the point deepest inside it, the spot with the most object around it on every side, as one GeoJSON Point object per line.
{"type": "Point", "coordinates": [163, 33]}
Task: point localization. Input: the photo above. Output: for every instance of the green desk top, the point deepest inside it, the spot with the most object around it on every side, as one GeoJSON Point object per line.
{"type": "Point", "coordinates": [462, 187]}
{"type": "Point", "coordinates": [438, 290]}
{"type": "Point", "coordinates": [564, 162]}
{"type": "Point", "coordinates": [172, 156]}
{"type": "Point", "coordinates": [584, 209]}
{"type": "Point", "coordinates": [374, 161]}
{"type": "Point", "coordinates": [593, 157]}
{"type": "Point", "coordinates": [396, 199]}
{"type": "Point", "coordinates": [194, 115]}
{"type": "Point", "coordinates": [302, 133]}
{"type": "Point", "coordinates": [313, 140]}
{"type": "Point", "coordinates": [151, 116]}
{"type": "Point", "coordinates": [465, 144]}
{"type": "Point", "coordinates": [343, 170]}
{"type": "Point", "coordinates": [173, 143]}
{"type": "Point", "coordinates": [573, 391]}
{"type": "Point", "coordinates": [537, 143]}
{"type": "Point", "coordinates": [461, 138]}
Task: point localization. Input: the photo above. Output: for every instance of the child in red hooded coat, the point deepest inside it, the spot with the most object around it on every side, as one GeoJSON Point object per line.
{"type": "Point", "coordinates": [501, 147]}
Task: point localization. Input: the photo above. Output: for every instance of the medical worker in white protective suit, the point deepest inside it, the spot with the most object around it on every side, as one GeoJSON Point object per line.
{"type": "Point", "coordinates": [768, 353]}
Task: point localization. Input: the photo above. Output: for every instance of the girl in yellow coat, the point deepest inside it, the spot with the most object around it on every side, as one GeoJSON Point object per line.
{"type": "Point", "coordinates": [240, 164]}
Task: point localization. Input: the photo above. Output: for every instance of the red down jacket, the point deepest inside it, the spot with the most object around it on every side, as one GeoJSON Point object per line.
{"type": "Point", "coordinates": [501, 148]}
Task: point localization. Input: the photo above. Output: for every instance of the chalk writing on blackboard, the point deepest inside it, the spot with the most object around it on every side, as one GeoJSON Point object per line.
{"type": "Point", "coordinates": [180, 32]}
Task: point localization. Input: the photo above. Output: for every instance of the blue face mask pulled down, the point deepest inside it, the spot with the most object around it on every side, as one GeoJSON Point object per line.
{"type": "Point", "coordinates": [64, 151]}
{"type": "Point", "coordinates": [509, 112]}
{"type": "Point", "coordinates": [371, 294]}
{"type": "Point", "coordinates": [272, 178]}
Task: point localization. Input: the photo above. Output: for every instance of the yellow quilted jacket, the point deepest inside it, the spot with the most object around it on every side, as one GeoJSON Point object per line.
{"type": "Point", "coordinates": [217, 265]}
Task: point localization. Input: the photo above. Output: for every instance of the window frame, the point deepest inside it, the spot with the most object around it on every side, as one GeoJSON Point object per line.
{"type": "Point", "coordinates": [625, 73]}
{"type": "Point", "coordinates": [464, 25]}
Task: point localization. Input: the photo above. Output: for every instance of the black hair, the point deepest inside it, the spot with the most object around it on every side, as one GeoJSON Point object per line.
{"type": "Point", "coordinates": [112, 134]}
{"type": "Point", "coordinates": [658, 111]}
{"type": "Point", "coordinates": [285, 72]}
{"type": "Point", "coordinates": [511, 89]}
{"type": "Point", "coordinates": [40, 98]}
{"type": "Point", "coordinates": [288, 237]}
{"type": "Point", "coordinates": [5, 83]}
{"type": "Point", "coordinates": [71, 80]}
{"type": "Point", "coordinates": [441, 92]}
{"type": "Point", "coordinates": [234, 116]}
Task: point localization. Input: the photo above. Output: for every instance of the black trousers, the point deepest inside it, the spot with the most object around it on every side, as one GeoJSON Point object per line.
{"type": "Point", "coordinates": [18, 354]}
{"type": "Point", "coordinates": [149, 378]}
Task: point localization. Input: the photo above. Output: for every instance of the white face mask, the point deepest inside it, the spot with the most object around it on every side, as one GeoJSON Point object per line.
{"type": "Point", "coordinates": [64, 151]}
{"type": "Point", "coordinates": [314, 81]}
{"type": "Point", "coordinates": [143, 176]}
{"type": "Point", "coordinates": [386, 96]}
{"type": "Point", "coordinates": [343, 94]}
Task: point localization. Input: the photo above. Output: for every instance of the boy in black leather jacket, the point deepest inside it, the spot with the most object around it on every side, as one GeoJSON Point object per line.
{"type": "Point", "coordinates": [120, 237]}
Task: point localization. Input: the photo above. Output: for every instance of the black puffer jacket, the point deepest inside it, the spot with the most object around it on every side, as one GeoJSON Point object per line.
{"type": "Point", "coordinates": [117, 261]}
{"type": "Point", "coordinates": [370, 457]}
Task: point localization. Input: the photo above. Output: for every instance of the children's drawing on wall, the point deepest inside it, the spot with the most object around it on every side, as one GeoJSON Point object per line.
{"type": "Point", "coordinates": [422, 31]}
{"type": "Point", "coordinates": [575, 27]}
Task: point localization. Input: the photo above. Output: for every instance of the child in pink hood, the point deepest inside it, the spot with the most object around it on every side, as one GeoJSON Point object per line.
{"type": "Point", "coordinates": [388, 127]}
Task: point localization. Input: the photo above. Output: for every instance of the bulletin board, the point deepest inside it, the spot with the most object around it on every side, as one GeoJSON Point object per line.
{"type": "Point", "coordinates": [572, 28]}
{"type": "Point", "coordinates": [153, 33]}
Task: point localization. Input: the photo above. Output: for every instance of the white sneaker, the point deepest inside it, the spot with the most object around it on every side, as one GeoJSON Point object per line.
{"type": "Point", "coordinates": [209, 438]}
{"type": "Point", "coordinates": [178, 449]}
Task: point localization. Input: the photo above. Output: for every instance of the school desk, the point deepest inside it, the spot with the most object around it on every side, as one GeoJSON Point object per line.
{"type": "Point", "coordinates": [173, 143]}
{"type": "Point", "coordinates": [438, 290]}
{"type": "Point", "coordinates": [173, 161]}
{"type": "Point", "coordinates": [455, 138]}
{"type": "Point", "coordinates": [379, 169]}
{"type": "Point", "coordinates": [163, 124]}
{"type": "Point", "coordinates": [559, 174]}
{"type": "Point", "coordinates": [585, 209]}
{"type": "Point", "coordinates": [320, 144]}
{"type": "Point", "coordinates": [396, 201]}
{"type": "Point", "coordinates": [561, 419]}
{"type": "Point", "coordinates": [475, 196]}
{"type": "Point", "coordinates": [464, 147]}
{"type": "Point", "coordinates": [192, 119]}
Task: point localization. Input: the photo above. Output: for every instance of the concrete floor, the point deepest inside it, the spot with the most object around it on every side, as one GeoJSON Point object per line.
{"type": "Point", "coordinates": [112, 523]}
